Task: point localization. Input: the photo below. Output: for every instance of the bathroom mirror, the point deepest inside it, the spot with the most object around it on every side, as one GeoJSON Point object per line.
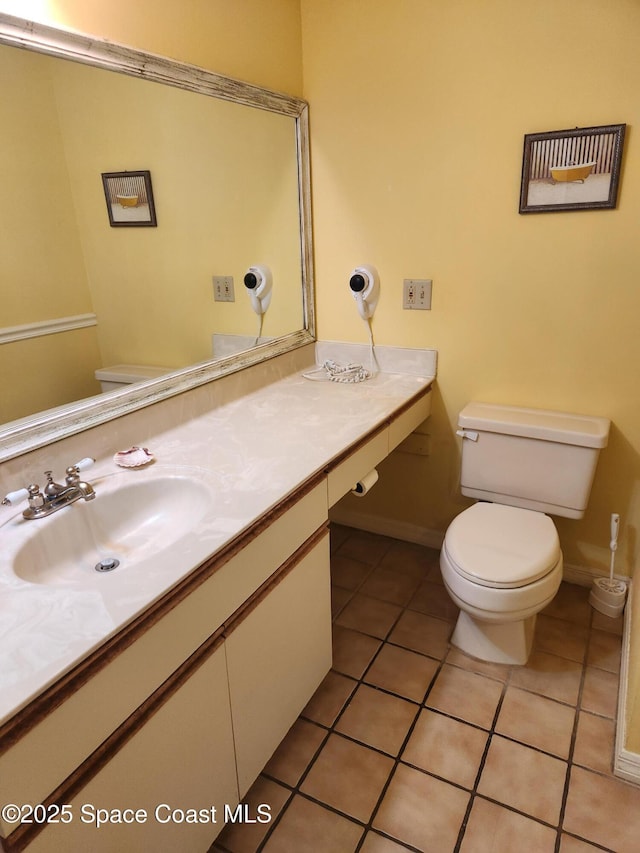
{"type": "Point", "coordinates": [229, 163]}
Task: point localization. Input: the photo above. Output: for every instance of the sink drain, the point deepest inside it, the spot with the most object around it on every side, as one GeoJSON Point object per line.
{"type": "Point", "coordinates": [107, 565]}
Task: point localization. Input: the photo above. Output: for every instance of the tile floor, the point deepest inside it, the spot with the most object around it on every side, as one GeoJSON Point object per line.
{"type": "Point", "coordinates": [409, 744]}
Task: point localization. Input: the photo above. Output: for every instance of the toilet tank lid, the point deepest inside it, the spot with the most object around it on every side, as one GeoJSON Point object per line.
{"type": "Point", "coordinates": [562, 427]}
{"type": "Point", "coordinates": [130, 372]}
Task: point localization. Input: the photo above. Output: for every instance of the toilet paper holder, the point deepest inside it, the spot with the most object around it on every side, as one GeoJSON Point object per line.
{"type": "Point", "coordinates": [365, 484]}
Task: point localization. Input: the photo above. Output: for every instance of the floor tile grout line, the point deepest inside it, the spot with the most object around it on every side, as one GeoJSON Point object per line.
{"type": "Point", "coordinates": [463, 826]}
{"type": "Point", "coordinates": [275, 823]}
{"type": "Point", "coordinates": [530, 746]}
{"type": "Point", "coordinates": [572, 745]}
{"type": "Point", "coordinates": [564, 703]}
{"type": "Point", "coordinates": [419, 708]}
{"type": "Point", "coordinates": [594, 844]}
{"type": "Point", "coordinates": [478, 796]}
{"type": "Point", "coordinates": [358, 587]}
{"type": "Point", "coordinates": [295, 792]}
{"type": "Point", "coordinates": [384, 641]}
{"type": "Point", "coordinates": [332, 730]}
{"type": "Point", "coordinates": [397, 760]}
{"type": "Point", "coordinates": [377, 831]}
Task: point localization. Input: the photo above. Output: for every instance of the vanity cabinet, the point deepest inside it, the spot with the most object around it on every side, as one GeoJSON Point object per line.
{"type": "Point", "coordinates": [183, 707]}
{"type": "Point", "coordinates": [277, 653]}
{"type": "Point", "coordinates": [180, 759]}
{"type": "Point", "coordinates": [232, 659]}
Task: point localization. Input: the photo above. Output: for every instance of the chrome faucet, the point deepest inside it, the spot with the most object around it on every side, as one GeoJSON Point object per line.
{"type": "Point", "coordinates": [54, 496]}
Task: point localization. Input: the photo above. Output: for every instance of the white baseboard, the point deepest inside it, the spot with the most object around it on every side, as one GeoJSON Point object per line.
{"type": "Point", "coordinates": [626, 764]}
{"type": "Point", "coordinates": [387, 527]}
{"type": "Point", "coordinates": [584, 576]}
{"type": "Point", "coordinates": [580, 575]}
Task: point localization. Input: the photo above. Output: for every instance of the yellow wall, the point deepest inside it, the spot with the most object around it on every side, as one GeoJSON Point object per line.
{"type": "Point", "coordinates": [55, 369]}
{"type": "Point", "coordinates": [252, 40]}
{"type": "Point", "coordinates": [418, 112]}
{"type": "Point", "coordinates": [42, 274]}
{"type": "Point", "coordinates": [226, 197]}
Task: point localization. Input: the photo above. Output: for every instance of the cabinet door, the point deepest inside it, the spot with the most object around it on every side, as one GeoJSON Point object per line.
{"type": "Point", "coordinates": [181, 759]}
{"type": "Point", "coordinates": [277, 656]}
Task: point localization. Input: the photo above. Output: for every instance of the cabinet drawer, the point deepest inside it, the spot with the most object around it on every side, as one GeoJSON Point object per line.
{"type": "Point", "coordinates": [406, 423]}
{"type": "Point", "coordinates": [346, 474]}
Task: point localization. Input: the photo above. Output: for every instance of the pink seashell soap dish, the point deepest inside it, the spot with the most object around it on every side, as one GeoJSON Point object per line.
{"type": "Point", "coordinates": [134, 457]}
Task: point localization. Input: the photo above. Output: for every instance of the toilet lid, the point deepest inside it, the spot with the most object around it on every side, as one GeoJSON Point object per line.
{"type": "Point", "coordinates": [502, 546]}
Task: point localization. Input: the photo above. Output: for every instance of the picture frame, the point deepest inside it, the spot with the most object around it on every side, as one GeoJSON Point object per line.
{"type": "Point", "coordinates": [576, 169]}
{"type": "Point", "coordinates": [129, 198]}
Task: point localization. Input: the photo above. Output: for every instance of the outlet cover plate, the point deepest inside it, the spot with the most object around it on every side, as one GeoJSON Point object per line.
{"type": "Point", "coordinates": [223, 288]}
{"type": "Point", "coordinates": [416, 294]}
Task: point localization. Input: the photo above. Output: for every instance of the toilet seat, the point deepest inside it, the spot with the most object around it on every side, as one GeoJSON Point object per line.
{"type": "Point", "coordinates": [502, 547]}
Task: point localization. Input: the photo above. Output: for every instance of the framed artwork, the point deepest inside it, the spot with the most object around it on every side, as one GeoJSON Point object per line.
{"type": "Point", "coordinates": [575, 169]}
{"type": "Point", "coordinates": [129, 198]}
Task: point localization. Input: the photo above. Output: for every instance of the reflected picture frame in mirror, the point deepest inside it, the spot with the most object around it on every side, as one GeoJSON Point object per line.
{"type": "Point", "coordinates": [20, 436]}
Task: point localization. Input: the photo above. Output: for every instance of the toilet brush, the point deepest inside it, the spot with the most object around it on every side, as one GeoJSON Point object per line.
{"type": "Point", "coordinates": [607, 594]}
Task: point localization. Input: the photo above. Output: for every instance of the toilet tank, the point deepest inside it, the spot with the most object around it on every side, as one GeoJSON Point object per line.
{"type": "Point", "coordinates": [530, 458]}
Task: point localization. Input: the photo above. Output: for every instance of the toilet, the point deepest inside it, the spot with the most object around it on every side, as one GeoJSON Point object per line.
{"type": "Point", "coordinates": [501, 561]}
{"type": "Point", "coordinates": [121, 375]}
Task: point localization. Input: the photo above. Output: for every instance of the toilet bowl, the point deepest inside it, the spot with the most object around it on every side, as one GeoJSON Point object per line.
{"type": "Point", "coordinates": [501, 561]}
{"type": "Point", "coordinates": [501, 565]}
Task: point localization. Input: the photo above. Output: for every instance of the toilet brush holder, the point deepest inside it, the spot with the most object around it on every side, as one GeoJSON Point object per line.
{"type": "Point", "coordinates": [608, 596]}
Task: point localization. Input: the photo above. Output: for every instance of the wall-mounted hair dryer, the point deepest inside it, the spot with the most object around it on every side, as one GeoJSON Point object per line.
{"type": "Point", "coordinates": [258, 281]}
{"type": "Point", "coordinates": [365, 287]}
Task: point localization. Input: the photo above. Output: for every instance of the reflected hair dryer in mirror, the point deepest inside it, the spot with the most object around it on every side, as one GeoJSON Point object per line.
{"type": "Point", "coordinates": [365, 287]}
{"type": "Point", "coordinates": [258, 281]}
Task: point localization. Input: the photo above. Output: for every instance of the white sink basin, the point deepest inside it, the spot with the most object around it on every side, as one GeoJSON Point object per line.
{"type": "Point", "coordinates": [134, 519]}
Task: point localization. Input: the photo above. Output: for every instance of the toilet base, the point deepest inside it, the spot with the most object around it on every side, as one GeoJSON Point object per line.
{"type": "Point", "coordinates": [496, 642]}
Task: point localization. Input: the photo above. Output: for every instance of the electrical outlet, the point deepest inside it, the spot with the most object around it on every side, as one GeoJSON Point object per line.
{"type": "Point", "coordinates": [416, 294]}
{"type": "Point", "coordinates": [223, 288]}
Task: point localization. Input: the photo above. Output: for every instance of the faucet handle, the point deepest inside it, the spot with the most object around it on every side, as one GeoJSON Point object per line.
{"type": "Point", "coordinates": [83, 464]}
{"type": "Point", "coordinates": [15, 497]}
{"type": "Point", "coordinates": [33, 493]}
{"type": "Point", "coordinates": [73, 471]}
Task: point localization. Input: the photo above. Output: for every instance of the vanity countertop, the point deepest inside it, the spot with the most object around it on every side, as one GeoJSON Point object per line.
{"type": "Point", "coordinates": [249, 453]}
